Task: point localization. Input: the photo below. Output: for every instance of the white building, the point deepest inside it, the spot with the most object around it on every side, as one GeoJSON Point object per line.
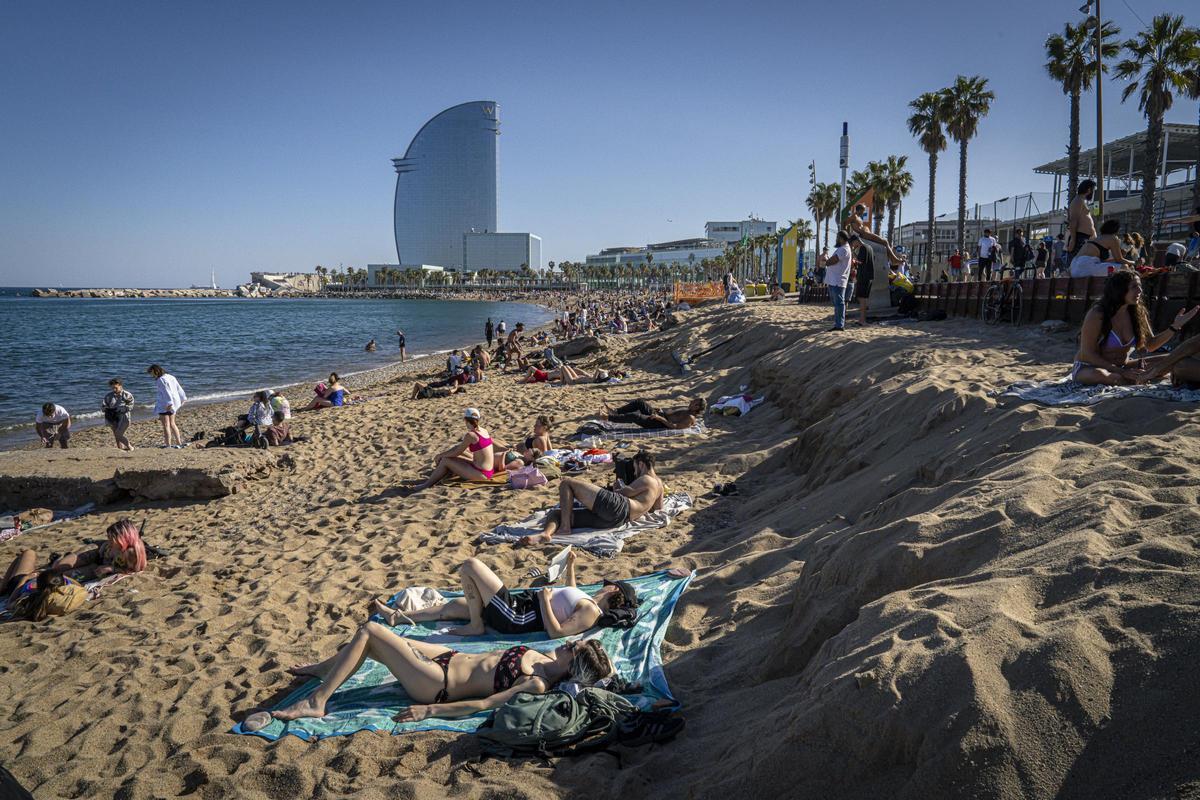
{"type": "Point", "coordinates": [373, 270]}
{"type": "Point", "coordinates": [736, 231]}
{"type": "Point", "coordinates": [501, 251]}
{"type": "Point", "coordinates": [683, 252]}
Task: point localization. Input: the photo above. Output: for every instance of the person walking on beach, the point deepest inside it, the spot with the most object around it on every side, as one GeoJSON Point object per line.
{"type": "Point", "coordinates": [837, 273]}
{"type": "Point", "coordinates": [489, 332]}
{"type": "Point", "coordinates": [1019, 252]}
{"type": "Point", "coordinates": [401, 342]}
{"type": "Point", "coordinates": [1081, 228]}
{"type": "Point", "coordinates": [987, 253]}
{"type": "Point", "coordinates": [500, 330]}
{"type": "Point", "coordinates": [865, 270]}
{"type": "Point", "coordinates": [53, 423]}
{"type": "Point", "coordinates": [117, 405]}
{"type": "Point", "coordinates": [169, 398]}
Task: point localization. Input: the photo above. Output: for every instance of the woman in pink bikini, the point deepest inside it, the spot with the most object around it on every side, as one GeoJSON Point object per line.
{"type": "Point", "coordinates": [479, 466]}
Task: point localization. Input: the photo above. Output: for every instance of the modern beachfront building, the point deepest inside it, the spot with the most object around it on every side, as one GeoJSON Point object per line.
{"type": "Point", "coordinates": [446, 185]}
{"type": "Point", "coordinates": [501, 251]}
{"type": "Point", "coordinates": [737, 230]}
{"type": "Point", "coordinates": [682, 252]}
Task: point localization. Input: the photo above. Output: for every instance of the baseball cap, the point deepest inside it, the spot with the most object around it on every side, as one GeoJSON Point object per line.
{"type": "Point", "coordinates": [472, 413]}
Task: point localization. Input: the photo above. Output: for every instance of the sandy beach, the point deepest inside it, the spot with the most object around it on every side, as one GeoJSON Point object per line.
{"type": "Point", "coordinates": [918, 592]}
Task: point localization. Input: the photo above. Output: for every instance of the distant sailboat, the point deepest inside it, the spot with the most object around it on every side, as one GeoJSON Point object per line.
{"type": "Point", "coordinates": [213, 284]}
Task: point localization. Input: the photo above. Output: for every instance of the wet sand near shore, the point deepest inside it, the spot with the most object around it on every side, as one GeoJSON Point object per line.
{"type": "Point", "coordinates": [918, 592]}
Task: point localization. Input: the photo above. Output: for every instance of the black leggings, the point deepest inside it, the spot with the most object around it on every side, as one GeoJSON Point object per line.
{"type": "Point", "coordinates": [639, 412]}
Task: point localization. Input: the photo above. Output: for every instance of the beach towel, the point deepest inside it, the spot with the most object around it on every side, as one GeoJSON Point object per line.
{"type": "Point", "coordinates": [605, 543]}
{"type": "Point", "coordinates": [610, 430]}
{"type": "Point", "coordinates": [372, 696]}
{"type": "Point", "coordinates": [1066, 392]}
{"type": "Point", "coordinates": [59, 516]}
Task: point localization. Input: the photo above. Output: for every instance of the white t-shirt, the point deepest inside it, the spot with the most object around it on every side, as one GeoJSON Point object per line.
{"type": "Point", "coordinates": [1177, 249]}
{"type": "Point", "coordinates": [838, 274]}
{"type": "Point", "coordinates": [60, 415]}
{"type": "Point", "coordinates": [986, 245]}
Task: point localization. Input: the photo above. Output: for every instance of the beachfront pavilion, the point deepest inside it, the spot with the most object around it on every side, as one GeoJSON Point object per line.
{"type": "Point", "coordinates": [1044, 214]}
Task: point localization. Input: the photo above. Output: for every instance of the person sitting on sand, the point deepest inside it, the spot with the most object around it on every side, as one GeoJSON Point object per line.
{"type": "Point", "coordinates": [479, 467]}
{"type": "Point", "coordinates": [123, 552]}
{"type": "Point", "coordinates": [480, 361]}
{"type": "Point", "coordinates": [425, 391]}
{"type": "Point", "coordinates": [279, 431]}
{"type": "Point", "coordinates": [260, 413]}
{"type": "Point", "coordinates": [486, 603]}
{"type": "Point", "coordinates": [53, 423]}
{"type": "Point", "coordinates": [857, 223]}
{"type": "Point", "coordinates": [603, 508]}
{"type": "Point", "coordinates": [328, 395]}
{"type": "Point", "coordinates": [117, 405]}
{"type": "Point", "coordinates": [1116, 325]}
{"type": "Point", "coordinates": [280, 403]}
{"type": "Point", "coordinates": [441, 681]}
{"type": "Point", "coordinates": [532, 448]}
{"type": "Point", "coordinates": [1101, 254]}
{"type": "Point", "coordinates": [644, 415]}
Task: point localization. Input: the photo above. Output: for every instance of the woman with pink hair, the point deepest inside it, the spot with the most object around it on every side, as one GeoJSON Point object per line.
{"type": "Point", "coordinates": [124, 551]}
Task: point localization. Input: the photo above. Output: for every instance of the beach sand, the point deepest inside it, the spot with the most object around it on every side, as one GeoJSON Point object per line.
{"type": "Point", "coordinates": [917, 593]}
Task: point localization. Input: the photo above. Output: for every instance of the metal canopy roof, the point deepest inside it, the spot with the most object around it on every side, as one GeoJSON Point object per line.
{"type": "Point", "coordinates": [1181, 152]}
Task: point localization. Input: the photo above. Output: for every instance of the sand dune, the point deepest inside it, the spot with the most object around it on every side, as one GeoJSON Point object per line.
{"type": "Point", "coordinates": [918, 593]}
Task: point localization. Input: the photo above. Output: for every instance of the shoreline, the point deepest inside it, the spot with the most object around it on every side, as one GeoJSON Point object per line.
{"type": "Point", "coordinates": [234, 402]}
{"type": "Point", "coordinates": [495, 293]}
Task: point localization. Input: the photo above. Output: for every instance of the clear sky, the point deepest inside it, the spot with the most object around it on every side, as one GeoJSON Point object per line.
{"type": "Point", "coordinates": [145, 143]}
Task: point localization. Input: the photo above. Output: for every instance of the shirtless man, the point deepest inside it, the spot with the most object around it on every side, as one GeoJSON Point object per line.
{"type": "Point", "coordinates": [1080, 226]}
{"type": "Point", "coordinates": [856, 223]}
{"type": "Point", "coordinates": [604, 508]}
{"type": "Point", "coordinates": [645, 415]}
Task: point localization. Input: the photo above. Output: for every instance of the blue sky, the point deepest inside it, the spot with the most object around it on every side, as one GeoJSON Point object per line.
{"type": "Point", "coordinates": [147, 143]}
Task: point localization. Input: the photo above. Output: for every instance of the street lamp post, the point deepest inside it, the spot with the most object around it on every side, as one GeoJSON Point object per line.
{"type": "Point", "coordinates": [1099, 102]}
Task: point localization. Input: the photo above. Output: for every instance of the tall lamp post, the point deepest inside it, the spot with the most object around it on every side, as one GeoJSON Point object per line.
{"type": "Point", "coordinates": [1084, 9]}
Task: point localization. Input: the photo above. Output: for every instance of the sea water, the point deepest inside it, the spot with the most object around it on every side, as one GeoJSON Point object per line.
{"type": "Point", "coordinates": [64, 350]}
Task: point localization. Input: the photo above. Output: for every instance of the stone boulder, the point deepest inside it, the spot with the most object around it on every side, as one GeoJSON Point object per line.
{"type": "Point", "coordinates": [1055, 326]}
{"type": "Point", "coordinates": [579, 346]}
{"type": "Point", "coordinates": [70, 478]}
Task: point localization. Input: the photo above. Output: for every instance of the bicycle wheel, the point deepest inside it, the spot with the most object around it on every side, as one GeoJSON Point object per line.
{"type": "Point", "coordinates": [1014, 304]}
{"type": "Point", "coordinates": [991, 308]}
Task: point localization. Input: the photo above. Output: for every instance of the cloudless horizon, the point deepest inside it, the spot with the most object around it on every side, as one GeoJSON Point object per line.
{"type": "Point", "coordinates": [145, 144]}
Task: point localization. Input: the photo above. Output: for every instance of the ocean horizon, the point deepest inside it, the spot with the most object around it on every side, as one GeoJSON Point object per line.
{"type": "Point", "coordinates": [64, 350]}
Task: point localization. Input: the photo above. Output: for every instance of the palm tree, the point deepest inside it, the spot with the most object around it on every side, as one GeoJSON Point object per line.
{"type": "Point", "coordinates": [804, 232]}
{"type": "Point", "coordinates": [927, 124]}
{"type": "Point", "coordinates": [1159, 62]}
{"type": "Point", "coordinates": [1071, 60]}
{"type": "Point", "coordinates": [814, 206]}
{"type": "Point", "coordinates": [897, 183]}
{"type": "Point", "coordinates": [968, 101]}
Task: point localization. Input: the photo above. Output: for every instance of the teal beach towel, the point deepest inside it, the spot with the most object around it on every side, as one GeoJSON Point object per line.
{"type": "Point", "coordinates": [372, 696]}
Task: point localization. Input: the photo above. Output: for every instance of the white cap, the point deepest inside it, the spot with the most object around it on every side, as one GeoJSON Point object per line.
{"type": "Point", "coordinates": [472, 413]}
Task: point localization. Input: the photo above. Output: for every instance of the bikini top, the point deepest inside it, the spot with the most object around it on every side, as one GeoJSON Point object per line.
{"type": "Point", "coordinates": [1113, 340]}
{"type": "Point", "coordinates": [1105, 253]}
{"type": "Point", "coordinates": [483, 442]}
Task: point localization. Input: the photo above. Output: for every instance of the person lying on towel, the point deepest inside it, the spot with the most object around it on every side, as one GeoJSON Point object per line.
{"type": "Point", "coordinates": [603, 508]}
{"type": "Point", "coordinates": [644, 415]}
{"type": "Point", "coordinates": [559, 611]}
{"type": "Point", "coordinates": [443, 682]}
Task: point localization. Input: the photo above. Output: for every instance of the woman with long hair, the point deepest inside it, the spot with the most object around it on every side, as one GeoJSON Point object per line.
{"type": "Point", "coordinates": [479, 466]}
{"type": "Point", "coordinates": [169, 397]}
{"type": "Point", "coordinates": [444, 682]}
{"type": "Point", "coordinates": [124, 551]}
{"type": "Point", "coordinates": [1116, 326]}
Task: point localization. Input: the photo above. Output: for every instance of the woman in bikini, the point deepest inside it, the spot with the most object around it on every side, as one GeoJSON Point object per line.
{"type": "Point", "coordinates": [443, 682]}
{"type": "Point", "coordinates": [1118, 324]}
{"type": "Point", "coordinates": [123, 552]}
{"type": "Point", "coordinates": [558, 611]}
{"type": "Point", "coordinates": [479, 467]}
{"type": "Point", "coordinates": [1101, 253]}
{"type": "Point", "coordinates": [533, 447]}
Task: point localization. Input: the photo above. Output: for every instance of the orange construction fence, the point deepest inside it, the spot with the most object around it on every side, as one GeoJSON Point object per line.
{"type": "Point", "coordinates": [696, 293]}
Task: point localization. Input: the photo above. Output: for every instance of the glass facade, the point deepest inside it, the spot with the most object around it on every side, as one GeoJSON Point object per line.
{"type": "Point", "coordinates": [446, 185]}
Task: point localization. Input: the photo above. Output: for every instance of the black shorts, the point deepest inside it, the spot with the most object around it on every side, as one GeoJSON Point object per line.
{"type": "Point", "coordinates": [513, 612]}
{"type": "Point", "coordinates": [611, 510]}
{"type": "Point", "coordinates": [862, 288]}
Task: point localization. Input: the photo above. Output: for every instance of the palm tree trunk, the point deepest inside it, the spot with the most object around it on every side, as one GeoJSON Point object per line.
{"type": "Point", "coordinates": [929, 241]}
{"type": "Point", "coordinates": [891, 208]}
{"type": "Point", "coordinates": [962, 195]}
{"type": "Point", "coordinates": [816, 242]}
{"type": "Point", "coordinates": [1073, 150]}
{"type": "Point", "coordinates": [1196, 186]}
{"type": "Point", "coordinates": [827, 230]}
{"type": "Point", "coordinates": [1150, 171]}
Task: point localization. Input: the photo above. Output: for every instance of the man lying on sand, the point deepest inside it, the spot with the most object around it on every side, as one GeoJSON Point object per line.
{"type": "Point", "coordinates": [443, 681]}
{"type": "Point", "coordinates": [486, 603]}
{"type": "Point", "coordinates": [424, 391]}
{"type": "Point", "coordinates": [644, 415]}
{"type": "Point", "coordinates": [566, 374]}
{"type": "Point", "coordinates": [603, 508]}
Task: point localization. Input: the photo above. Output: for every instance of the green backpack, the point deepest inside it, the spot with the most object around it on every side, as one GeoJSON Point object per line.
{"type": "Point", "coordinates": [555, 724]}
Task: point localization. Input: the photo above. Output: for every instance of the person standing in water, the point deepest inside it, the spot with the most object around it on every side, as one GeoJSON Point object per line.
{"type": "Point", "coordinates": [489, 332]}
{"type": "Point", "coordinates": [400, 337]}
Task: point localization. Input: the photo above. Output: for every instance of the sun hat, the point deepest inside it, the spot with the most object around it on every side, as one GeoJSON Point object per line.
{"type": "Point", "coordinates": [472, 413]}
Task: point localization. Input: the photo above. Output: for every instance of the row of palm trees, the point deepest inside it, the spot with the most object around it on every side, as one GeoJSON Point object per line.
{"type": "Point", "coordinates": [890, 182]}
{"type": "Point", "coordinates": [1159, 63]}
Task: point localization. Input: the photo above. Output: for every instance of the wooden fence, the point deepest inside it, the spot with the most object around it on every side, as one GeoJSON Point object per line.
{"type": "Point", "coordinates": [1064, 298]}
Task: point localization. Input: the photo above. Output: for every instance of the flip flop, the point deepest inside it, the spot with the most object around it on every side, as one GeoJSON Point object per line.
{"type": "Point", "coordinates": [257, 721]}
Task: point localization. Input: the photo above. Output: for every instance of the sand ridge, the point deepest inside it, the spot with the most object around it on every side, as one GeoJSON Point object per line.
{"type": "Point", "coordinates": [918, 592]}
